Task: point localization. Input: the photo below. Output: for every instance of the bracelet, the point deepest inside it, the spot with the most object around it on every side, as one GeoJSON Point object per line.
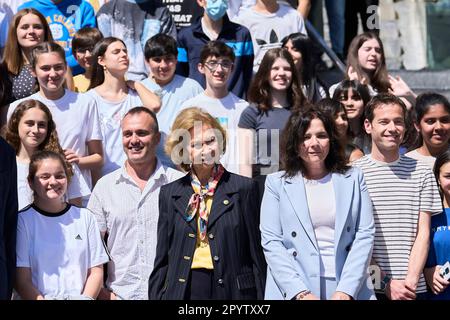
{"type": "Point", "coordinates": [302, 295]}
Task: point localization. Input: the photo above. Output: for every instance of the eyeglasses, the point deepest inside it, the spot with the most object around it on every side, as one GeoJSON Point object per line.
{"type": "Point", "coordinates": [83, 50]}
{"type": "Point", "coordinates": [213, 65]}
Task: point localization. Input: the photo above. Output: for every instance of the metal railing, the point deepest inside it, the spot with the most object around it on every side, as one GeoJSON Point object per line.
{"type": "Point", "coordinates": [319, 40]}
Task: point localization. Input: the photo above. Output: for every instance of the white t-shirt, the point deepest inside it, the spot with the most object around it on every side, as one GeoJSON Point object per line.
{"type": "Point", "coordinates": [172, 95]}
{"type": "Point", "coordinates": [111, 114]}
{"type": "Point", "coordinates": [78, 187]}
{"type": "Point", "coordinates": [59, 248]}
{"type": "Point", "coordinates": [268, 30]}
{"type": "Point", "coordinates": [227, 112]}
{"type": "Point", "coordinates": [429, 160]}
{"type": "Point", "coordinates": [76, 119]}
{"type": "Point", "coordinates": [322, 210]}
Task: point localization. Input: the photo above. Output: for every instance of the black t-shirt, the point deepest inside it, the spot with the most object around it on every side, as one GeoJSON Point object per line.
{"type": "Point", "coordinates": [184, 12]}
{"type": "Point", "coordinates": [268, 125]}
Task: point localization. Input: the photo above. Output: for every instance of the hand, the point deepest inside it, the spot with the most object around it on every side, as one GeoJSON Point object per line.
{"type": "Point", "coordinates": [435, 280]}
{"type": "Point", "coordinates": [397, 290]}
{"type": "Point", "coordinates": [309, 296]}
{"type": "Point", "coordinates": [106, 294]}
{"type": "Point", "coordinates": [131, 84]}
{"type": "Point", "coordinates": [399, 87]}
{"type": "Point", "coordinates": [71, 156]}
{"type": "Point", "coordinates": [411, 283]}
{"type": "Point", "coordinates": [79, 297]}
{"type": "Point", "coordinates": [353, 75]}
{"type": "Point", "coordinates": [339, 295]}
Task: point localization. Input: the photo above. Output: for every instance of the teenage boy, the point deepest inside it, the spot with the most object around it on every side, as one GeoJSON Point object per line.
{"type": "Point", "coordinates": [269, 22]}
{"type": "Point", "coordinates": [404, 196]}
{"type": "Point", "coordinates": [83, 44]}
{"type": "Point", "coordinates": [215, 25]}
{"type": "Point", "coordinates": [161, 58]}
{"type": "Point", "coordinates": [216, 63]}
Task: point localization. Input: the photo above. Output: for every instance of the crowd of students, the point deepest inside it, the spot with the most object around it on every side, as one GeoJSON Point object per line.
{"type": "Point", "coordinates": [225, 171]}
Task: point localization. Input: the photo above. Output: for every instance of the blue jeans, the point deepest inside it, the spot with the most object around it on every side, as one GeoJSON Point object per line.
{"type": "Point", "coordinates": [336, 22]}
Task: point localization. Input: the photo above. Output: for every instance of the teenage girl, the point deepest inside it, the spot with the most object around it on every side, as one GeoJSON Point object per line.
{"type": "Point", "coordinates": [354, 96]}
{"type": "Point", "coordinates": [115, 96]}
{"type": "Point", "coordinates": [60, 254]}
{"type": "Point", "coordinates": [30, 129]}
{"type": "Point", "coordinates": [75, 115]}
{"type": "Point", "coordinates": [433, 125]}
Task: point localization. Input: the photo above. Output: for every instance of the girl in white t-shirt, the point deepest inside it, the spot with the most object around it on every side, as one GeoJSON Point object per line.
{"type": "Point", "coordinates": [60, 254]}
{"type": "Point", "coordinates": [75, 115]}
{"type": "Point", "coordinates": [30, 129]}
{"type": "Point", "coordinates": [115, 96]}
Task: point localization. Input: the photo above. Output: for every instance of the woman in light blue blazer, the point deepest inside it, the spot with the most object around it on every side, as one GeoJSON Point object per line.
{"type": "Point", "coordinates": [316, 218]}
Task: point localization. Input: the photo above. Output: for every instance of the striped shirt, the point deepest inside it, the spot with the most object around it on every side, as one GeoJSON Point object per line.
{"type": "Point", "coordinates": [399, 191]}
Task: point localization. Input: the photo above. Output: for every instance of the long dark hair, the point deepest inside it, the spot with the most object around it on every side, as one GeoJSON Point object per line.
{"type": "Point", "coordinates": [260, 91]}
{"type": "Point", "coordinates": [307, 76]}
{"type": "Point", "coordinates": [423, 104]}
{"type": "Point", "coordinates": [294, 134]}
{"type": "Point", "coordinates": [379, 79]}
{"type": "Point", "coordinates": [359, 89]}
{"type": "Point", "coordinates": [98, 73]}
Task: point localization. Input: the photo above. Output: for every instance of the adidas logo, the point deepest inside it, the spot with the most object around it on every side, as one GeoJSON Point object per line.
{"type": "Point", "coordinates": [78, 237]}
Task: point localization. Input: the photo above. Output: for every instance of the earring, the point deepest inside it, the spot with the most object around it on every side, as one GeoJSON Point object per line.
{"type": "Point", "coordinates": [104, 68]}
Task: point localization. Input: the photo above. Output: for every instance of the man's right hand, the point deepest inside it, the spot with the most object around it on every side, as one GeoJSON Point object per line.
{"type": "Point", "coordinates": [106, 294]}
{"type": "Point", "coordinates": [397, 290]}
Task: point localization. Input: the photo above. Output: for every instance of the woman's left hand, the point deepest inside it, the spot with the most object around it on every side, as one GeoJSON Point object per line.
{"type": "Point", "coordinates": [339, 295]}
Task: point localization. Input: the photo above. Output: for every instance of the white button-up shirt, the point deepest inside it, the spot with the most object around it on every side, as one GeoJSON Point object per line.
{"type": "Point", "coordinates": [130, 217]}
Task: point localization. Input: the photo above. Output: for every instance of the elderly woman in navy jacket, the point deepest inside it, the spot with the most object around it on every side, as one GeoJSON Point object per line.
{"type": "Point", "coordinates": [208, 243]}
{"type": "Point", "coordinates": [316, 218]}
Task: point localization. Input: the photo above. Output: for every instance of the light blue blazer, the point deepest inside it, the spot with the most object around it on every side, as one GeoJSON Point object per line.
{"type": "Point", "coordinates": [290, 245]}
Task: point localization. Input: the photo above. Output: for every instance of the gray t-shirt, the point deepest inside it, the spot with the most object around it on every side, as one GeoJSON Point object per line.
{"type": "Point", "coordinates": [268, 127]}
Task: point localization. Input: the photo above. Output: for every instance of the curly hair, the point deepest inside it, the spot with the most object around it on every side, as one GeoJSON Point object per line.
{"type": "Point", "coordinates": [294, 134]}
{"type": "Point", "coordinates": [260, 91]}
{"type": "Point", "coordinates": [185, 121]}
{"type": "Point", "coordinates": [51, 141]}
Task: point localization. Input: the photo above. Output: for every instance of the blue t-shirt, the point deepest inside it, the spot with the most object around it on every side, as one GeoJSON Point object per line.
{"type": "Point", "coordinates": [172, 95]}
{"type": "Point", "coordinates": [64, 19]}
{"type": "Point", "coordinates": [439, 252]}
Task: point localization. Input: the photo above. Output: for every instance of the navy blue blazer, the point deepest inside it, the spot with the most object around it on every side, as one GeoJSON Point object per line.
{"type": "Point", "coordinates": [8, 218]}
{"type": "Point", "coordinates": [234, 239]}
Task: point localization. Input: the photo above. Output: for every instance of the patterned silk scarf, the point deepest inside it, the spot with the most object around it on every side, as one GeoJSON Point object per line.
{"type": "Point", "coordinates": [197, 203]}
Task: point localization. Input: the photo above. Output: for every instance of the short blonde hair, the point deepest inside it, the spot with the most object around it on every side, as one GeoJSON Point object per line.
{"type": "Point", "coordinates": [185, 121]}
